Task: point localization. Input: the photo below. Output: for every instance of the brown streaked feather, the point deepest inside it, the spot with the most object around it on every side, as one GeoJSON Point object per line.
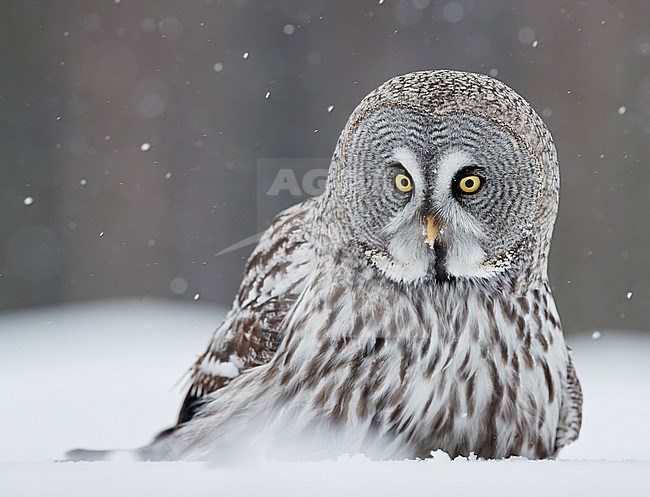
{"type": "Point", "coordinates": [251, 331]}
{"type": "Point", "coordinates": [571, 409]}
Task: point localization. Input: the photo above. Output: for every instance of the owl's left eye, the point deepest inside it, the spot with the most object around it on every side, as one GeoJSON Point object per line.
{"type": "Point", "coordinates": [467, 182]}
{"type": "Point", "coordinates": [403, 183]}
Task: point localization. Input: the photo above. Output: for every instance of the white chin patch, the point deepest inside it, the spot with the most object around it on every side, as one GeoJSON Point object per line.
{"type": "Point", "coordinates": [465, 258]}
{"type": "Point", "coordinates": [406, 259]}
{"type": "Point", "coordinates": [395, 270]}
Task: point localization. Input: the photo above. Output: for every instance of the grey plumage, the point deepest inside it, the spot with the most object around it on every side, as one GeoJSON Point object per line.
{"type": "Point", "coordinates": [400, 322]}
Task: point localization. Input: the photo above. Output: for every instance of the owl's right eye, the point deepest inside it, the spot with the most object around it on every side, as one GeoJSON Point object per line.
{"type": "Point", "coordinates": [403, 183]}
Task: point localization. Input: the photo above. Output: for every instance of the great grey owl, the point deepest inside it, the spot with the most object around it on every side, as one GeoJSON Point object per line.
{"type": "Point", "coordinates": [408, 308]}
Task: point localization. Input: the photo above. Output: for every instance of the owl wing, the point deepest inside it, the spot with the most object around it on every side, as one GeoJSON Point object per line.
{"type": "Point", "coordinates": [275, 275]}
{"type": "Point", "coordinates": [571, 409]}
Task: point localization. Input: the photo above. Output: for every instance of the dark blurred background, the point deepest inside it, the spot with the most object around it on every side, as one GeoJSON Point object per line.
{"type": "Point", "coordinates": [136, 137]}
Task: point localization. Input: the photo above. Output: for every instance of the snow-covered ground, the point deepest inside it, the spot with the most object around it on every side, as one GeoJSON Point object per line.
{"type": "Point", "coordinates": [110, 374]}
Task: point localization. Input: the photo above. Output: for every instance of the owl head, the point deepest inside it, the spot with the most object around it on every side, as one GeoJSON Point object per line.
{"type": "Point", "coordinates": [445, 175]}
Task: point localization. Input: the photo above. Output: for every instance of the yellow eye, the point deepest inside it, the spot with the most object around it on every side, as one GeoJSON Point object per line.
{"type": "Point", "coordinates": [403, 183]}
{"type": "Point", "coordinates": [469, 184]}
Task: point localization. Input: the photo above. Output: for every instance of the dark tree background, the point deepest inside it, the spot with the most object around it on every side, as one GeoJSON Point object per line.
{"type": "Point", "coordinates": [136, 137]}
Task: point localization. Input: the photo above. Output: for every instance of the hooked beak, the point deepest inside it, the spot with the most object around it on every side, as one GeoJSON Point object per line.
{"type": "Point", "coordinates": [431, 229]}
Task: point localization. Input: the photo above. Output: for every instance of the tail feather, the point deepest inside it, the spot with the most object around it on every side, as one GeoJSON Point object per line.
{"type": "Point", "coordinates": [157, 450]}
{"type": "Point", "coordinates": [95, 455]}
